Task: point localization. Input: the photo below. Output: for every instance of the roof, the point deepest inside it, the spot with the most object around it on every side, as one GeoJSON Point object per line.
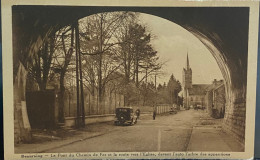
{"type": "Point", "coordinates": [218, 86]}
{"type": "Point", "coordinates": [215, 86]}
{"type": "Point", "coordinates": [210, 87]}
{"type": "Point", "coordinates": [198, 89]}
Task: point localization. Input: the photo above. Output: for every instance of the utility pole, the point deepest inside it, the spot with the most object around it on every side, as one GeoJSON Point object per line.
{"type": "Point", "coordinates": [80, 76]}
{"type": "Point", "coordinates": [155, 90]}
{"type": "Point", "coordinates": [71, 79]}
{"type": "Point", "coordinates": [136, 68]}
{"type": "Point", "coordinates": [77, 75]}
{"type": "Point", "coordinates": [177, 101]}
{"type": "Point", "coordinates": [155, 83]}
{"type": "Point", "coordinates": [146, 75]}
{"type": "Point", "coordinates": [100, 94]}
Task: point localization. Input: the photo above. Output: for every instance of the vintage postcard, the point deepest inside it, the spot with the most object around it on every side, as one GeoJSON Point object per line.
{"type": "Point", "coordinates": [134, 79]}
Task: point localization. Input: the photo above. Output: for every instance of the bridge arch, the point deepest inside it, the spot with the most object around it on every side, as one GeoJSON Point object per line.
{"type": "Point", "coordinates": [224, 31]}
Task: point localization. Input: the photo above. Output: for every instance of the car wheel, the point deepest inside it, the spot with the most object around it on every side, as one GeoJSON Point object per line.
{"type": "Point", "coordinates": [135, 120]}
{"type": "Point", "coordinates": [132, 122]}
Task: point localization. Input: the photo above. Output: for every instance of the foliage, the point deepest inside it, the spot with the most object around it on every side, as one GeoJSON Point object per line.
{"type": "Point", "coordinates": [117, 57]}
{"type": "Point", "coordinates": [173, 88]}
{"type": "Point", "coordinates": [169, 93]}
{"type": "Point", "coordinates": [41, 63]}
{"type": "Point", "coordinates": [97, 38]}
{"type": "Point", "coordinates": [115, 42]}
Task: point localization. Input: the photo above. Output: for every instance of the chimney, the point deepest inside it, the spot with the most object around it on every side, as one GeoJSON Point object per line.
{"type": "Point", "coordinates": [215, 82]}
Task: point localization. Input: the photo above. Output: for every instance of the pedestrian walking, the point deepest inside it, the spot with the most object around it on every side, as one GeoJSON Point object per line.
{"type": "Point", "coordinates": [154, 113]}
{"type": "Point", "coordinates": [137, 112]}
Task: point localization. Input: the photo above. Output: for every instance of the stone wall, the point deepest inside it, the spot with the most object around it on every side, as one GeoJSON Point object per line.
{"type": "Point", "coordinates": [209, 101]}
{"type": "Point", "coordinates": [219, 101]}
{"type": "Point", "coordinates": [235, 114]}
{"type": "Point", "coordinates": [70, 121]}
{"type": "Point", "coordinates": [234, 121]}
{"type": "Point", "coordinates": [17, 132]}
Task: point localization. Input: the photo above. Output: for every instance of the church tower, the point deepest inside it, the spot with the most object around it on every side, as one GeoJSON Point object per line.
{"type": "Point", "coordinates": [187, 75]}
{"type": "Point", "coordinates": [187, 81]}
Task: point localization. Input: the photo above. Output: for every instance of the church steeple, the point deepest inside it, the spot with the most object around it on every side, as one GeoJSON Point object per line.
{"type": "Point", "coordinates": [188, 65]}
{"type": "Point", "coordinates": [187, 74]}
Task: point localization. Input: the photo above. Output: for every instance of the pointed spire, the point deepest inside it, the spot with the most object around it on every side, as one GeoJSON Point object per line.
{"type": "Point", "coordinates": [188, 65]}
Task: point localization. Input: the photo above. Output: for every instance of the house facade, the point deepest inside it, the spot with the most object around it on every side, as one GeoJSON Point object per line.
{"type": "Point", "coordinates": [216, 99]}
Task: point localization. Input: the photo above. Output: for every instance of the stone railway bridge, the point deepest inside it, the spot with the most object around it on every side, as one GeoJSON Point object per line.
{"type": "Point", "coordinates": [223, 30]}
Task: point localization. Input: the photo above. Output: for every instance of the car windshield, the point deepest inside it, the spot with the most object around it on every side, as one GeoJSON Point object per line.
{"type": "Point", "coordinates": [122, 110]}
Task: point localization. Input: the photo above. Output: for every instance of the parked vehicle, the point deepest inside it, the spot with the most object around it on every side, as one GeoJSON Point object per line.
{"type": "Point", "coordinates": [125, 115]}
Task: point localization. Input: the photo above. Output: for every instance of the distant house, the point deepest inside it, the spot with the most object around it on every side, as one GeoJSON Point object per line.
{"type": "Point", "coordinates": [216, 99]}
{"type": "Point", "coordinates": [196, 94]}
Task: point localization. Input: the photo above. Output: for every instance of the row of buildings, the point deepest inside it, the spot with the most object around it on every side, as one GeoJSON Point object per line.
{"type": "Point", "coordinates": [209, 96]}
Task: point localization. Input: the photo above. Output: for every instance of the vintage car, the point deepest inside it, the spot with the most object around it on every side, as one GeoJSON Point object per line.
{"type": "Point", "coordinates": [125, 115]}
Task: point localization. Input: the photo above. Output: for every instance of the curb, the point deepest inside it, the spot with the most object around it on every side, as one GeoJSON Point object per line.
{"type": "Point", "coordinates": [68, 143]}
{"type": "Point", "coordinates": [188, 144]}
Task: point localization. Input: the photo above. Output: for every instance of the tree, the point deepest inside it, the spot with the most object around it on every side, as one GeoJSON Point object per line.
{"type": "Point", "coordinates": [41, 62]}
{"type": "Point", "coordinates": [173, 87]}
{"type": "Point", "coordinates": [145, 57]}
{"type": "Point", "coordinates": [24, 51]}
{"type": "Point", "coordinates": [63, 55]}
{"type": "Point", "coordinates": [148, 93]}
{"type": "Point", "coordinates": [136, 54]}
{"type": "Point", "coordinates": [168, 94]}
{"type": "Point", "coordinates": [98, 45]}
{"type": "Point", "coordinates": [163, 95]}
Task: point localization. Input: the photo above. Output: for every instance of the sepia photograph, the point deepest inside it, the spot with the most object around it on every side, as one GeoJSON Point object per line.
{"type": "Point", "coordinates": [124, 81]}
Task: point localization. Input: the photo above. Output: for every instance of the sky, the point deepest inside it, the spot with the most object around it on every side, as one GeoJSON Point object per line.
{"type": "Point", "coordinates": [173, 43]}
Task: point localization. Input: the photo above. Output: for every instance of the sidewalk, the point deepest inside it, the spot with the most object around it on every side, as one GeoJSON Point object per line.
{"type": "Point", "coordinates": [45, 142]}
{"type": "Point", "coordinates": [207, 135]}
{"type": "Point", "coordinates": [89, 131]}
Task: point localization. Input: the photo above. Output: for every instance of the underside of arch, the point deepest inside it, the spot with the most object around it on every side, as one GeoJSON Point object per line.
{"type": "Point", "coordinates": [223, 30]}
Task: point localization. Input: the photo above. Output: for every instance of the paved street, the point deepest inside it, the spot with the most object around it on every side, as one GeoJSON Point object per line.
{"type": "Point", "coordinates": [166, 133]}
{"type": "Point", "coordinates": [188, 130]}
